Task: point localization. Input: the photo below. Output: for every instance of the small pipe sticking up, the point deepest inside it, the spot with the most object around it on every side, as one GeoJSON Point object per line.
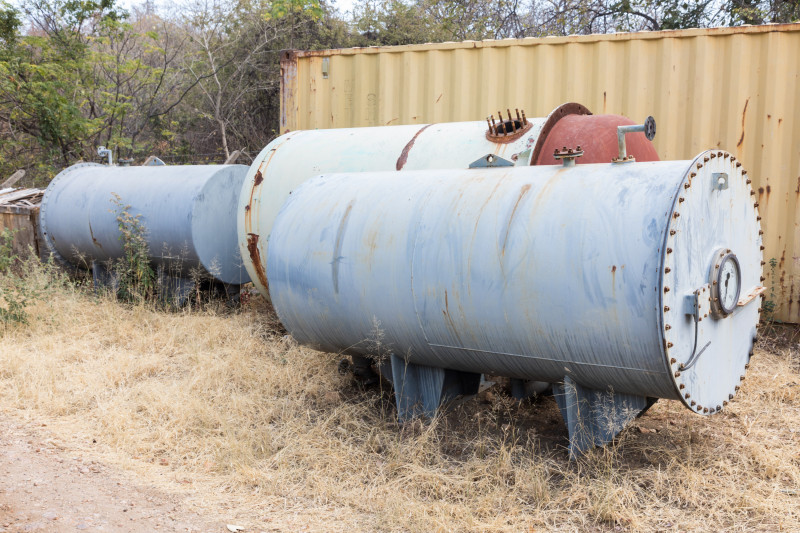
{"type": "Point", "coordinates": [649, 130]}
{"type": "Point", "coordinates": [102, 151]}
{"type": "Point", "coordinates": [494, 127]}
{"type": "Point", "coordinates": [524, 118]}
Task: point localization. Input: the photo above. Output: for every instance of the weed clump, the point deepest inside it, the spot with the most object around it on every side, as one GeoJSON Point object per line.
{"type": "Point", "coordinates": [16, 290]}
{"type": "Point", "coordinates": [134, 276]}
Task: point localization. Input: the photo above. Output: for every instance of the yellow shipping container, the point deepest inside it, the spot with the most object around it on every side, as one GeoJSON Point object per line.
{"type": "Point", "coordinates": [733, 88]}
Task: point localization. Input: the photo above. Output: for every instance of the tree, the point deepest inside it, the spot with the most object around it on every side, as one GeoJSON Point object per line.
{"type": "Point", "coordinates": [83, 75]}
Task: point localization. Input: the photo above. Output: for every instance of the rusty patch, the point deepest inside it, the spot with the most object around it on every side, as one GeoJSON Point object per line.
{"type": "Point", "coordinates": [259, 179]}
{"type": "Point", "coordinates": [255, 256]}
{"type": "Point", "coordinates": [744, 116]}
{"type": "Point", "coordinates": [401, 161]}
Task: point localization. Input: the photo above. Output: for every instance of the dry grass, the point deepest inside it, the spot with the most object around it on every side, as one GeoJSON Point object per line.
{"type": "Point", "coordinates": [224, 409]}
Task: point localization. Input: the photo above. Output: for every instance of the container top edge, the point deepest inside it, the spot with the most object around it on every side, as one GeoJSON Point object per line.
{"type": "Point", "coordinates": [535, 41]}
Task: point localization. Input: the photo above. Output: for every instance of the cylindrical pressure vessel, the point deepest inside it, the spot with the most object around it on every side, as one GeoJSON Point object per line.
{"type": "Point", "coordinates": [297, 156]}
{"type": "Point", "coordinates": [641, 278]}
{"type": "Point", "coordinates": [186, 211]}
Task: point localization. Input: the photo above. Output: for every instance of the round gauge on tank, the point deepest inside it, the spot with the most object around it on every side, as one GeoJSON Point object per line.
{"type": "Point", "coordinates": [726, 283]}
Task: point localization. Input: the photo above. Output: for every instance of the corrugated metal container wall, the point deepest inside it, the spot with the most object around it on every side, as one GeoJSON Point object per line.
{"type": "Point", "coordinates": [733, 88]}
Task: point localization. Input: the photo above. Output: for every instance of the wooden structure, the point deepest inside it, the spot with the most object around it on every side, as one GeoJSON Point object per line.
{"type": "Point", "coordinates": [19, 212]}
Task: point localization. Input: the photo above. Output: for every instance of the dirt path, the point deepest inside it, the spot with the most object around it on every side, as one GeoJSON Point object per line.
{"type": "Point", "coordinates": [46, 488]}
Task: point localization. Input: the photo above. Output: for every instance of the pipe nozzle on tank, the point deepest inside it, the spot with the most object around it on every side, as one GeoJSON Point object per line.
{"type": "Point", "coordinates": [102, 151]}
{"type": "Point", "coordinates": [649, 130]}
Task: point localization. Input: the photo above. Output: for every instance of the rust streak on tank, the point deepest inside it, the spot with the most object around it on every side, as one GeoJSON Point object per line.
{"type": "Point", "coordinates": [255, 255]}
{"type": "Point", "coordinates": [95, 241]}
{"type": "Point", "coordinates": [401, 161]}
{"type": "Point", "coordinates": [744, 116]}
{"type": "Point", "coordinates": [523, 191]}
{"type": "Point", "coordinates": [259, 178]}
{"type": "Point", "coordinates": [337, 250]}
{"type": "Point", "coordinates": [614, 280]}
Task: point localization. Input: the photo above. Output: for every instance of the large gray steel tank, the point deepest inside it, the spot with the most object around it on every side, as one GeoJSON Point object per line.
{"type": "Point", "coordinates": [621, 282]}
{"type": "Point", "coordinates": [188, 212]}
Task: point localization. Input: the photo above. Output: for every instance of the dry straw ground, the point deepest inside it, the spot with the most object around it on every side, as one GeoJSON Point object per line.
{"type": "Point", "coordinates": [220, 407]}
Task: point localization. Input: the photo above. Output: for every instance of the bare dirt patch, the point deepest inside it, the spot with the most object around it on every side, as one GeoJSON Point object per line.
{"type": "Point", "coordinates": [46, 487]}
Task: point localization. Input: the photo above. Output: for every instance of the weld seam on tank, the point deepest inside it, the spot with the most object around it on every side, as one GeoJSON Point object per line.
{"type": "Point", "coordinates": [662, 276]}
{"type": "Point", "coordinates": [561, 361]}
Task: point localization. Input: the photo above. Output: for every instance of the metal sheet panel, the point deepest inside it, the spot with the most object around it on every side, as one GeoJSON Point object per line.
{"type": "Point", "coordinates": [732, 88]}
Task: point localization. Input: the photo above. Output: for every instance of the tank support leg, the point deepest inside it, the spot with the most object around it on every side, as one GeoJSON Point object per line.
{"type": "Point", "coordinates": [595, 417]}
{"type": "Point", "coordinates": [420, 390]}
{"type": "Point", "coordinates": [522, 389]}
{"type": "Point", "coordinates": [233, 293]}
{"type": "Point", "coordinates": [103, 277]}
{"type": "Point", "coordinates": [172, 288]}
{"type": "Point", "coordinates": [362, 369]}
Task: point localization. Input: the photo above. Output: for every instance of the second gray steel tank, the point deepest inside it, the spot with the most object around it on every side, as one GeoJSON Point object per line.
{"type": "Point", "coordinates": [187, 211]}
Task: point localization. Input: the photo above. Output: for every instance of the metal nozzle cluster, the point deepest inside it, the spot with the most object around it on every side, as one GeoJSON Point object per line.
{"type": "Point", "coordinates": [501, 128]}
